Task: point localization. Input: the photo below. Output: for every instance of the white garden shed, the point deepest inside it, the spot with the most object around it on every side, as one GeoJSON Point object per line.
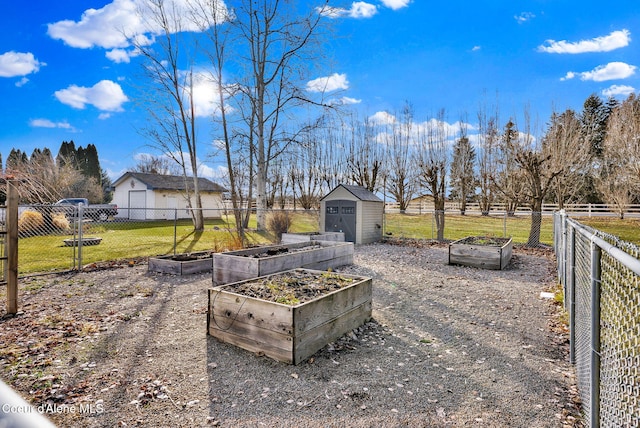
{"type": "Point", "coordinates": [146, 196]}
{"type": "Point", "coordinates": [355, 211]}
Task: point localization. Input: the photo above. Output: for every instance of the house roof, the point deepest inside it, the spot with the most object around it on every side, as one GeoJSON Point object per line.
{"type": "Point", "coordinates": [170, 182]}
{"type": "Point", "coordinates": [359, 192]}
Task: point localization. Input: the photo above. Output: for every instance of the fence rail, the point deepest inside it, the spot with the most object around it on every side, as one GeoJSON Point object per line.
{"type": "Point", "coordinates": [601, 279]}
{"type": "Point", "coordinates": [589, 210]}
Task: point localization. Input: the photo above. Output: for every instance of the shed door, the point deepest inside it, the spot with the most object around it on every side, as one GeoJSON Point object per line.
{"type": "Point", "coordinates": [340, 216]}
{"type": "Point", "coordinates": [137, 204]}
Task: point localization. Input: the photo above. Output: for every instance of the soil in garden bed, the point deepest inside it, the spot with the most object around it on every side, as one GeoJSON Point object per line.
{"type": "Point", "coordinates": [280, 250]}
{"type": "Point", "coordinates": [292, 287]}
{"type": "Point", "coordinates": [483, 240]}
{"type": "Point", "coordinates": [191, 257]}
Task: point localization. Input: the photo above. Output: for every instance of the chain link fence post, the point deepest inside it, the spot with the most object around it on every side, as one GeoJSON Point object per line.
{"type": "Point", "coordinates": [175, 231]}
{"type": "Point", "coordinates": [80, 233]}
{"type": "Point", "coordinates": [571, 294]}
{"type": "Point", "coordinates": [596, 256]}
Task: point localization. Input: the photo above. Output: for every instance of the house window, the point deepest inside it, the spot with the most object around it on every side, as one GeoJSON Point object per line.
{"type": "Point", "coordinates": [348, 210]}
{"type": "Point", "coordinates": [332, 210]}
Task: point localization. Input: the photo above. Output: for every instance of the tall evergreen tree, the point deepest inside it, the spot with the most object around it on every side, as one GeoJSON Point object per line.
{"type": "Point", "coordinates": [16, 160]}
{"type": "Point", "coordinates": [92, 163]}
{"type": "Point", "coordinates": [67, 154]}
{"type": "Point", "coordinates": [594, 123]}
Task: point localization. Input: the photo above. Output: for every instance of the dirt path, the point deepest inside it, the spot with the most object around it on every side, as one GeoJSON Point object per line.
{"type": "Point", "coordinates": [448, 346]}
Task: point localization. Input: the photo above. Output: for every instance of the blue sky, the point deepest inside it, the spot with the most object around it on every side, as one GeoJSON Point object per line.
{"type": "Point", "coordinates": [67, 73]}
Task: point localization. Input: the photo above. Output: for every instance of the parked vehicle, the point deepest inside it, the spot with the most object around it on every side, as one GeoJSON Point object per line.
{"type": "Point", "coordinates": [100, 212]}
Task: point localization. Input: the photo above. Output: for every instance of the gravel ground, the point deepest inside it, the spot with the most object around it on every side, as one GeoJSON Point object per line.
{"type": "Point", "coordinates": [447, 346]}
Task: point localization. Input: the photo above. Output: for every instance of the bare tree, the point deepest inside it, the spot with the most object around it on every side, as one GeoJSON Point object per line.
{"type": "Point", "coordinates": [277, 47]}
{"type": "Point", "coordinates": [153, 164]}
{"type": "Point", "coordinates": [538, 173]}
{"type": "Point", "coordinates": [433, 164]}
{"type": "Point", "coordinates": [463, 175]}
{"type": "Point", "coordinates": [569, 154]}
{"type": "Point", "coordinates": [400, 179]}
{"type": "Point", "coordinates": [170, 103]}
{"type": "Point", "coordinates": [619, 175]}
{"type": "Point", "coordinates": [488, 136]}
{"type": "Point", "coordinates": [365, 156]}
{"type": "Point", "coordinates": [332, 160]}
{"type": "Point", "coordinates": [304, 173]}
{"type": "Point", "coordinates": [210, 17]}
{"type": "Point", "coordinates": [508, 179]}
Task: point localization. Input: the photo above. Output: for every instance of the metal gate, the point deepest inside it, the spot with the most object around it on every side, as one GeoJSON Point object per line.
{"type": "Point", "coordinates": [340, 216]}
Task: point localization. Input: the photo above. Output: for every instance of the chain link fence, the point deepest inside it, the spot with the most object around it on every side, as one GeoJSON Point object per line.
{"type": "Point", "coordinates": [517, 226]}
{"type": "Point", "coordinates": [61, 238]}
{"type": "Point", "coordinates": [601, 279]}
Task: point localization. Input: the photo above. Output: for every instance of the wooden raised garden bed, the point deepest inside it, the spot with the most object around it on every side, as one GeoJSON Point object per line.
{"type": "Point", "coordinates": [238, 265]}
{"type": "Point", "coordinates": [182, 264]}
{"type": "Point", "coordinates": [481, 251]}
{"type": "Point", "coordinates": [289, 316]}
{"type": "Point", "coordinates": [290, 238]}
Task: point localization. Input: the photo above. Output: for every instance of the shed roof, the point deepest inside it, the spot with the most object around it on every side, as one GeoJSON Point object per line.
{"type": "Point", "coordinates": [359, 192]}
{"type": "Point", "coordinates": [170, 182]}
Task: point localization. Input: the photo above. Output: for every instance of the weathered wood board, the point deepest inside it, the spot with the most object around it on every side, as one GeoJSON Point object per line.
{"type": "Point", "coordinates": [290, 334]}
{"type": "Point", "coordinates": [238, 265]}
{"type": "Point", "coordinates": [482, 256]}
{"type": "Point", "coordinates": [291, 238]}
{"type": "Point", "coordinates": [167, 264]}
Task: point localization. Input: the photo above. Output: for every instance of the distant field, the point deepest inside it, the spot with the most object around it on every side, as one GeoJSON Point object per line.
{"type": "Point", "coordinates": [627, 229]}
{"type": "Point", "coordinates": [458, 226]}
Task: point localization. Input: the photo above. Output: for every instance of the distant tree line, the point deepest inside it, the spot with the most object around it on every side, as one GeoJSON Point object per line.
{"type": "Point", "coordinates": [74, 172]}
{"type": "Point", "coordinates": [590, 156]}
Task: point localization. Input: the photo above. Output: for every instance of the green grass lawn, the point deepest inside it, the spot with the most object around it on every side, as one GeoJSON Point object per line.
{"type": "Point", "coordinates": [458, 226]}
{"type": "Point", "coordinates": [627, 229]}
{"type": "Point", "coordinates": [129, 240]}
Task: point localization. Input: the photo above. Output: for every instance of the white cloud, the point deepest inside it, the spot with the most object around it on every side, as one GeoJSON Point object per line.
{"type": "Point", "coordinates": [20, 83]}
{"type": "Point", "coordinates": [114, 25]}
{"type": "Point", "coordinates": [348, 100]}
{"type": "Point", "coordinates": [46, 123]}
{"type": "Point", "coordinates": [615, 90]}
{"type": "Point", "coordinates": [104, 95]}
{"type": "Point", "coordinates": [524, 17]}
{"type": "Point", "coordinates": [107, 27]}
{"type": "Point", "coordinates": [615, 40]}
{"type": "Point", "coordinates": [611, 71]}
{"type": "Point", "coordinates": [14, 64]}
{"type": "Point", "coordinates": [122, 55]}
{"type": "Point", "coordinates": [362, 9]}
{"type": "Point", "coordinates": [396, 4]}
{"type": "Point", "coordinates": [329, 83]}
{"type": "Point", "coordinates": [358, 9]}
{"type": "Point", "coordinates": [476, 48]}
{"type": "Point", "coordinates": [383, 118]}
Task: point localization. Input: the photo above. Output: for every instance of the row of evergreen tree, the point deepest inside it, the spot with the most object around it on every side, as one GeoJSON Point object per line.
{"type": "Point", "coordinates": [42, 164]}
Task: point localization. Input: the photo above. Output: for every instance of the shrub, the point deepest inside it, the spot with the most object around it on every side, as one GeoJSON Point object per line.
{"type": "Point", "coordinates": [30, 221]}
{"type": "Point", "coordinates": [278, 223]}
{"type": "Point", "coordinates": [60, 221]}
